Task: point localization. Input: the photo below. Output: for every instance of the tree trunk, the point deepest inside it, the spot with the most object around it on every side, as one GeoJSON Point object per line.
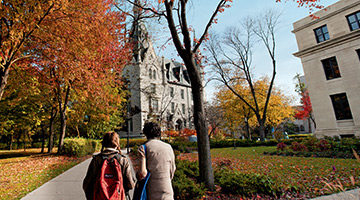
{"type": "Point", "coordinates": [24, 140]}
{"type": "Point", "coordinates": [4, 74]}
{"type": "Point", "coordinates": [43, 139]}
{"type": "Point", "coordinates": [62, 109]}
{"type": "Point", "coordinates": [313, 120]}
{"type": "Point", "coordinates": [51, 129]}
{"type": "Point", "coordinates": [11, 141]}
{"type": "Point", "coordinates": [206, 170]}
{"type": "Point", "coordinates": [62, 130]}
{"type": "Point", "coordinates": [262, 130]}
{"type": "Point", "coordinates": [77, 129]}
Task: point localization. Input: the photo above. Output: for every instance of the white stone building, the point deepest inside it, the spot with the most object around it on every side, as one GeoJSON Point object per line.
{"type": "Point", "coordinates": [159, 88]}
{"type": "Point", "coordinates": [329, 48]}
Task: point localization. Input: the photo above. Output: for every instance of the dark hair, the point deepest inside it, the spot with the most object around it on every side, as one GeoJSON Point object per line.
{"type": "Point", "coordinates": [111, 139]}
{"type": "Point", "coordinates": [152, 130]}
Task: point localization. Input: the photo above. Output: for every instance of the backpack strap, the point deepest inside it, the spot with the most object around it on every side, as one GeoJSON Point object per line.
{"type": "Point", "coordinates": [105, 157]}
{"type": "Point", "coordinates": [144, 149]}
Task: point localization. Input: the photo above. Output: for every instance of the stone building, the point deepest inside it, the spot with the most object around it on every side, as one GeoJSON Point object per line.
{"type": "Point", "coordinates": [329, 49]}
{"type": "Point", "coordinates": [159, 87]}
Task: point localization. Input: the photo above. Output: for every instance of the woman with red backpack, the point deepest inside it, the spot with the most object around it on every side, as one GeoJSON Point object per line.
{"type": "Point", "coordinates": [109, 174]}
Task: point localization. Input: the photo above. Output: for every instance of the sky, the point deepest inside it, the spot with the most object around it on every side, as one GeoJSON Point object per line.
{"type": "Point", "coordinates": [287, 64]}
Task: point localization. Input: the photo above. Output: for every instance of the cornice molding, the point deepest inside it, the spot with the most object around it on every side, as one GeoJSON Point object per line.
{"type": "Point", "coordinates": [325, 17]}
{"type": "Point", "coordinates": [354, 35]}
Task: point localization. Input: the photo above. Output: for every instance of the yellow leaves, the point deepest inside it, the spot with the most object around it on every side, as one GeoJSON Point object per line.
{"type": "Point", "coordinates": [235, 109]}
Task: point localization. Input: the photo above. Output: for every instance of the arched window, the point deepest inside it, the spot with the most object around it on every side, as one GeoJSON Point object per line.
{"type": "Point", "coordinates": [150, 73]}
{"type": "Point", "coordinates": [154, 74]}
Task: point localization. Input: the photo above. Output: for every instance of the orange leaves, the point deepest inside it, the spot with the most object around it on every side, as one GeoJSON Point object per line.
{"type": "Point", "coordinates": [310, 4]}
{"type": "Point", "coordinates": [21, 175]}
{"type": "Point", "coordinates": [185, 133]}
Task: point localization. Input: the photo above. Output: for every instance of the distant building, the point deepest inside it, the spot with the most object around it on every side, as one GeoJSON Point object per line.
{"type": "Point", "coordinates": [303, 125]}
{"type": "Point", "coordinates": [329, 48]}
{"type": "Point", "coordinates": [159, 87]}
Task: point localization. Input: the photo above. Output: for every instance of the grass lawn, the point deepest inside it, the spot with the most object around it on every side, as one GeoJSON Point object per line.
{"type": "Point", "coordinates": [296, 177]}
{"type": "Point", "coordinates": [28, 170]}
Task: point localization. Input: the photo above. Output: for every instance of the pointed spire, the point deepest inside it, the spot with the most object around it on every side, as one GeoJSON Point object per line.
{"type": "Point", "coordinates": [139, 34]}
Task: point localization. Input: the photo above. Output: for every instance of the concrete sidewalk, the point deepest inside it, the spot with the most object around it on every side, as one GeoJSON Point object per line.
{"type": "Point", "coordinates": [66, 186]}
{"type": "Point", "coordinates": [347, 195]}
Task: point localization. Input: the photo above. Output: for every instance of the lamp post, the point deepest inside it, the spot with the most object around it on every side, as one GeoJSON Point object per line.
{"type": "Point", "coordinates": [128, 127]}
{"type": "Point", "coordinates": [234, 140]}
{"type": "Point", "coordinates": [247, 128]}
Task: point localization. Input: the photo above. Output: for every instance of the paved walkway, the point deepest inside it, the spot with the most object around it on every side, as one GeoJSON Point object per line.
{"type": "Point", "coordinates": [67, 186]}
{"type": "Point", "coordinates": [347, 195]}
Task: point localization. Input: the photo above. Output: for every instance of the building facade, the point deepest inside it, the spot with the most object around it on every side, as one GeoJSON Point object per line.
{"type": "Point", "coordinates": [159, 87]}
{"type": "Point", "coordinates": [329, 49]}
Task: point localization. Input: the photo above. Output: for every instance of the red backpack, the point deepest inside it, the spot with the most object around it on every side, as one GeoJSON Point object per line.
{"type": "Point", "coordinates": [109, 184]}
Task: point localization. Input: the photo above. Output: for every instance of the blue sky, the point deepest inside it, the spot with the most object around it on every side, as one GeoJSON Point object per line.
{"type": "Point", "coordinates": [287, 64]}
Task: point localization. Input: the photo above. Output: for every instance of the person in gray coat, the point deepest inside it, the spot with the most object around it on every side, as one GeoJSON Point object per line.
{"type": "Point", "coordinates": [159, 161]}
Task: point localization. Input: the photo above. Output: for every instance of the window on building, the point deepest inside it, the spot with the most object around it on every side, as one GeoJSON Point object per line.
{"type": "Point", "coordinates": [155, 104]}
{"type": "Point", "coordinates": [171, 92]}
{"type": "Point", "coordinates": [182, 93]}
{"type": "Point", "coordinates": [154, 74]}
{"type": "Point", "coordinates": [354, 21]}
{"type": "Point", "coordinates": [358, 53]}
{"type": "Point", "coordinates": [172, 107]}
{"type": "Point", "coordinates": [153, 88]}
{"type": "Point", "coordinates": [322, 34]}
{"type": "Point", "coordinates": [347, 135]}
{"type": "Point", "coordinates": [185, 125]}
{"type": "Point", "coordinates": [331, 68]}
{"type": "Point", "coordinates": [341, 106]}
{"type": "Point", "coordinates": [150, 73]}
{"type": "Point", "coordinates": [183, 108]}
{"type": "Point", "coordinates": [302, 128]}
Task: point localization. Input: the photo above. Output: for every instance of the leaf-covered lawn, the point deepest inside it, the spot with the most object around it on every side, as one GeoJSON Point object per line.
{"type": "Point", "coordinates": [21, 175]}
{"type": "Point", "coordinates": [295, 176]}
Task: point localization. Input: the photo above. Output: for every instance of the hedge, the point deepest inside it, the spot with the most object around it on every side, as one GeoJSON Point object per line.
{"type": "Point", "coordinates": [79, 147]}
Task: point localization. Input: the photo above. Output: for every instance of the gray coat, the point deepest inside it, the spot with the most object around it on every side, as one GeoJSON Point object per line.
{"type": "Point", "coordinates": [160, 162]}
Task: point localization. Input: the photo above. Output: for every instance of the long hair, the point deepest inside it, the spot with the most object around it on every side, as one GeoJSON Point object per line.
{"type": "Point", "coordinates": [111, 139]}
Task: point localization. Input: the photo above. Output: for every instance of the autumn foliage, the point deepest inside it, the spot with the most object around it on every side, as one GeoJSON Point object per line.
{"type": "Point", "coordinates": [71, 55]}
{"type": "Point", "coordinates": [305, 109]}
{"type": "Point", "coordinates": [184, 133]}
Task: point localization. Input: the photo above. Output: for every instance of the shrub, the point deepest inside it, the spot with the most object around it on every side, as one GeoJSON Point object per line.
{"type": "Point", "coordinates": [300, 136]}
{"type": "Point", "coordinates": [37, 145]}
{"type": "Point", "coordinates": [132, 142]}
{"type": "Point", "coordinates": [325, 154]}
{"type": "Point", "coordinates": [295, 146]}
{"type": "Point", "coordinates": [323, 145]}
{"type": "Point", "coordinates": [350, 143]}
{"type": "Point", "coordinates": [185, 181]}
{"type": "Point", "coordinates": [184, 146]}
{"type": "Point", "coordinates": [245, 184]}
{"type": "Point", "coordinates": [79, 147]}
{"type": "Point", "coordinates": [311, 143]}
{"type": "Point", "coordinates": [134, 150]}
{"type": "Point", "coordinates": [278, 135]}
{"type": "Point", "coordinates": [281, 146]}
